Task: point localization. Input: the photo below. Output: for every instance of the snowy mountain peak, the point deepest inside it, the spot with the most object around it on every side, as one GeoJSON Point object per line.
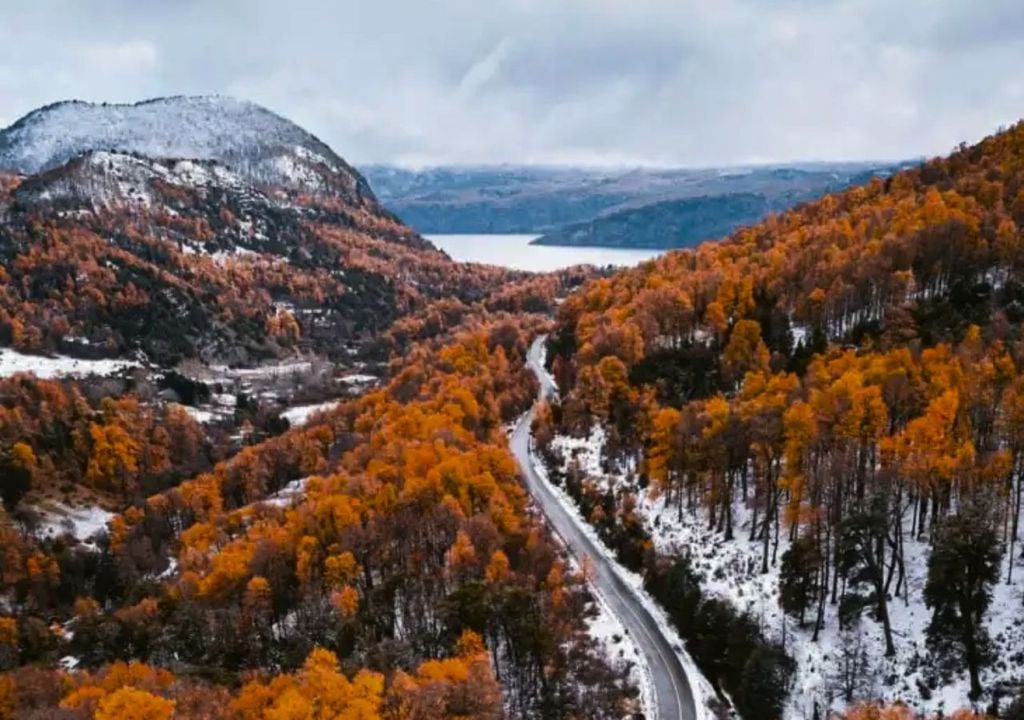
{"type": "Point", "coordinates": [257, 144]}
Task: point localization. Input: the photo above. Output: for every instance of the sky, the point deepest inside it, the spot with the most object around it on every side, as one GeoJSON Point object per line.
{"type": "Point", "coordinates": [569, 82]}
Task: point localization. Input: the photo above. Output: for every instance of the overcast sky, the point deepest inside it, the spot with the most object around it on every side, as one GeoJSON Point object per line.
{"type": "Point", "coordinates": [664, 82]}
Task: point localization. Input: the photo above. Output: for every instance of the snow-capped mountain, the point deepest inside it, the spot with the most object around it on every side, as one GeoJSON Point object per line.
{"type": "Point", "coordinates": [195, 223]}
{"type": "Point", "coordinates": [260, 146]}
{"type": "Point", "coordinates": [112, 179]}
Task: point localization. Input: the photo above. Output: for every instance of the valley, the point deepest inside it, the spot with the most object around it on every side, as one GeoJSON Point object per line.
{"type": "Point", "coordinates": [269, 452]}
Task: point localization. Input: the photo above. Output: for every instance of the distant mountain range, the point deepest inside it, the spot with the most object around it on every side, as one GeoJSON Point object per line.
{"type": "Point", "coordinates": [574, 206]}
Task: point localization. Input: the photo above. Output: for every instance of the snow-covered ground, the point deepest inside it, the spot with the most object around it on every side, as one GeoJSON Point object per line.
{"type": "Point", "coordinates": [360, 379]}
{"type": "Point", "coordinates": [13, 362]}
{"type": "Point", "coordinates": [621, 652]}
{"type": "Point", "coordinates": [732, 570]}
{"type": "Point", "coordinates": [201, 415]}
{"type": "Point", "coordinates": [245, 137]}
{"type": "Point", "coordinates": [300, 414]}
{"type": "Point", "coordinates": [703, 693]}
{"type": "Point", "coordinates": [83, 523]}
{"type": "Point", "coordinates": [289, 494]}
{"type": "Point", "coordinates": [287, 367]}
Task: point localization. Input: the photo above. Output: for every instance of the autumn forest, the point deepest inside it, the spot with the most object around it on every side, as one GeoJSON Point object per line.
{"type": "Point", "coordinates": [273, 476]}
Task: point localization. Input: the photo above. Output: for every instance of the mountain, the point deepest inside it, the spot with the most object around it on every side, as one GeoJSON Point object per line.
{"type": "Point", "coordinates": [200, 228]}
{"type": "Point", "coordinates": [807, 438]}
{"type": "Point", "coordinates": [268, 476]}
{"type": "Point", "coordinates": [262, 147]}
{"type": "Point", "coordinates": [667, 224]}
{"type": "Point", "coordinates": [543, 200]}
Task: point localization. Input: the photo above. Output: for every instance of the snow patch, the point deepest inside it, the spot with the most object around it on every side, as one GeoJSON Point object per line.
{"type": "Point", "coordinates": [241, 135]}
{"type": "Point", "coordinates": [359, 379]}
{"type": "Point", "coordinates": [82, 523]}
{"type": "Point", "coordinates": [300, 414]}
{"type": "Point", "coordinates": [288, 495]}
{"type": "Point", "coordinates": [58, 366]}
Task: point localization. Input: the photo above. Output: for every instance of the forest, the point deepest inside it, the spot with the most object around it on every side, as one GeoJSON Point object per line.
{"type": "Point", "coordinates": [838, 388]}
{"type": "Point", "coordinates": [377, 560]}
{"type": "Point", "coordinates": [847, 373]}
{"type": "Point", "coordinates": [408, 581]}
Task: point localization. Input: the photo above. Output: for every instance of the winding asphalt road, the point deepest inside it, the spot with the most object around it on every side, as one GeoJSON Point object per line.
{"type": "Point", "coordinates": [673, 694]}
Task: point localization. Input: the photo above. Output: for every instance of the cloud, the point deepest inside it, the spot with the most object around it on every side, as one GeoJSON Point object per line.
{"type": "Point", "coordinates": [484, 70]}
{"type": "Point", "coordinates": [574, 81]}
{"type": "Point", "coordinates": [132, 55]}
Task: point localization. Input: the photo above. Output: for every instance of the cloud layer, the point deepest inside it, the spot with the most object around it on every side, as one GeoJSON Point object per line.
{"type": "Point", "coordinates": [664, 82]}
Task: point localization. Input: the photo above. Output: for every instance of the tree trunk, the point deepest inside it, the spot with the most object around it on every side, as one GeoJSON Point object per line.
{"type": "Point", "coordinates": [883, 604]}
{"type": "Point", "coordinates": [971, 653]}
{"type": "Point", "coordinates": [728, 506]}
{"type": "Point", "coordinates": [1015, 521]}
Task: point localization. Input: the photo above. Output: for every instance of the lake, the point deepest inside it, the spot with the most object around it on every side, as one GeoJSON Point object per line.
{"type": "Point", "coordinates": [515, 251]}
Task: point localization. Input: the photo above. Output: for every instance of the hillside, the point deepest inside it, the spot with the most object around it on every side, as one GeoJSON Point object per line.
{"type": "Point", "coordinates": [253, 449]}
{"type": "Point", "coordinates": [806, 437]}
{"type": "Point", "coordinates": [668, 224]}
{"type": "Point", "coordinates": [545, 200]}
{"type": "Point", "coordinates": [204, 228]}
{"type": "Point", "coordinates": [256, 440]}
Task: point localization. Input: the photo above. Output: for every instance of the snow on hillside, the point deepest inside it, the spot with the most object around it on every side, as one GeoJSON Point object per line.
{"type": "Point", "coordinates": [13, 362]}
{"type": "Point", "coordinates": [732, 570]}
{"type": "Point", "coordinates": [290, 494]}
{"type": "Point", "coordinates": [300, 414]}
{"type": "Point", "coordinates": [105, 178]}
{"type": "Point", "coordinates": [621, 652]}
{"type": "Point", "coordinates": [82, 523]}
{"type": "Point", "coordinates": [253, 141]}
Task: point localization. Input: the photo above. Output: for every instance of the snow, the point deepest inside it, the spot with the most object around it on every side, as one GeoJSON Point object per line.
{"type": "Point", "coordinates": [83, 523]}
{"type": "Point", "coordinates": [200, 415]}
{"type": "Point", "coordinates": [224, 400]}
{"type": "Point", "coordinates": [702, 691]}
{"type": "Point", "coordinates": [222, 256]}
{"type": "Point", "coordinates": [289, 494]}
{"type": "Point", "coordinates": [291, 367]}
{"type": "Point", "coordinates": [68, 662]}
{"type": "Point", "coordinates": [799, 333]}
{"type": "Point", "coordinates": [732, 570]}
{"type": "Point", "coordinates": [359, 379]}
{"type": "Point", "coordinates": [298, 173]}
{"type": "Point", "coordinates": [57, 366]}
{"type": "Point", "coordinates": [172, 566]}
{"type": "Point", "coordinates": [620, 651]}
{"type": "Point", "coordinates": [300, 414]}
{"type": "Point", "coordinates": [238, 134]}
{"type": "Point", "coordinates": [109, 179]}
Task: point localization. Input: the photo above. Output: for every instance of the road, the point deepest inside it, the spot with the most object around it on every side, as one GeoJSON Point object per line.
{"type": "Point", "coordinates": [672, 690]}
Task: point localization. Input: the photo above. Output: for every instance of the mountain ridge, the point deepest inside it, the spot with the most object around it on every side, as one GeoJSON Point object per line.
{"type": "Point", "coordinates": [262, 146]}
{"type": "Point", "coordinates": [546, 200]}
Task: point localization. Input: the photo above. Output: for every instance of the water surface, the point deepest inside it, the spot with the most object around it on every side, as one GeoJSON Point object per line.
{"type": "Point", "coordinates": [515, 251]}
